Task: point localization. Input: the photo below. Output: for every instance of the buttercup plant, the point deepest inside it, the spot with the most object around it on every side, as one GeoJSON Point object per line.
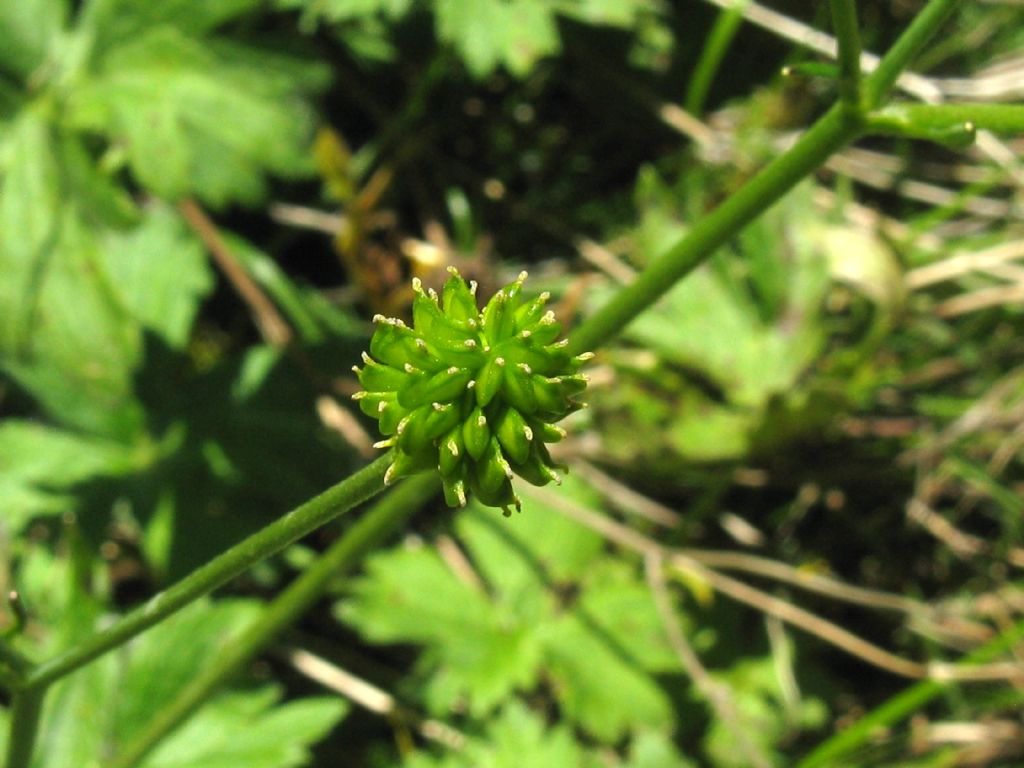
{"type": "Point", "coordinates": [473, 394]}
{"type": "Point", "coordinates": [476, 395]}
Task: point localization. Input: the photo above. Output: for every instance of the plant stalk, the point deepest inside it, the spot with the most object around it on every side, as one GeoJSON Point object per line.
{"type": "Point", "coordinates": [25, 711]}
{"type": "Point", "coordinates": [302, 520]}
{"type": "Point", "coordinates": [909, 44]}
{"type": "Point", "coordinates": [374, 526]}
{"type": "Point", "coordinates": [844, 24]}
{"type": "Point", "coordinates": [926, 120]}
{"type": "Point", "coordinates": [716, 46]}
{"type": "Point", "coordinates": [834, 130]}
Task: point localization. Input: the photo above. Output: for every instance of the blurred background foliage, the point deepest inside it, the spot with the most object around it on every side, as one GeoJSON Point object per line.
{"type": "Point", "coordinates": [202, 205]}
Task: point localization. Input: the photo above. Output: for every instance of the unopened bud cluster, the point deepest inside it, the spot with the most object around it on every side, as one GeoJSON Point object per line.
{"type": "Point", "coordinates": [472, 394]}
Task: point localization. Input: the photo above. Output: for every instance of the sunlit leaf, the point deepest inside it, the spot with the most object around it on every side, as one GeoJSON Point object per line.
{"type": "Point", "coordinates": [27, 29]}
{"type": "Point", "coordinates": [476, 650]}
{"type": "Point", "coordinates": [160, 273]}
{"type": "Point", "coordinates": [39, 466]}
{"type": "Point", "coordinates": [93, 714]}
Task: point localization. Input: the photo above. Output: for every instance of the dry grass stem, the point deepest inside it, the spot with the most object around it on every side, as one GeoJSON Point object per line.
{"type": "Point", "coordinates": [983, 298]}
{"type": "Point", "coordinates": [717, 694]}
{"type": "Point", "coordinates": [459, 564]}
{"type": "Point", "coordinates": [302, 217]}
{"type": "Point", "coordinates": [799, 617]}
{"type": "Point", "coordinates": [271, 324]}
{"type": "Point", "coordinates": [370, 697]}
{"type": "Point", "coordinates": [964, 263]}
{"type": "Point", "coordinates": [606, 261]}
{"type": "Point", "coordinates": [341, 420]}
{"type": "Point", "coordinates": [806, 580]}
{"type": "Point", "coordinates": [741, 530]}
{"type": "Point", "coordinates": [625, 498]}
{"type": "Point", "coordinates": [921, 191]}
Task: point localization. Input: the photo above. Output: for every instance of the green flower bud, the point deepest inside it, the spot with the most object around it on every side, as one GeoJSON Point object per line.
{"type": "Point", "coordinates": [473, 394]}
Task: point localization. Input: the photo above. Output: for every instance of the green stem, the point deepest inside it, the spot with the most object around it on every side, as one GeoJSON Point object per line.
{"type": "Point", "coordinates": [25, 711]}
{"type": "Point", "coordinates": [351, 491]}
{"type": "Point", "coordinates": [909, 44]}
{"type": "Point", "coordinates": [834, 130]}
{"type": "Point", "coordinates": [924, 120]}
{"type": "Point", "coordinates": [844, 24]}
{"type": "Point", "coordinates": [901, 706]}
{"type": "Point", "coordinates": [718, 41]}
{"type": "Point", "coordinates": [376, 524]}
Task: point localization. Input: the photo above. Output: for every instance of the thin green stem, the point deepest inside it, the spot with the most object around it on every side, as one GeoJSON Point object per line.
{"type": "Point", "coordinates": [844, 24]}
{"type": "Point", "coordinates": [25, 710]}
{"type": "Point", "coordinates": [715, 48]}
{"type": "Point", "coordinates": [901, 706]}
{"type": "Point", "coordinates": [927, 120]}
{"type": "Point", "coordinates": [319, 510]}
{"type": "Point", "coordinates": [373, 527]}
{"type": "Point", "coordinates": [909, 44]}
{"type": "Point", "coordinates": [834, 130]}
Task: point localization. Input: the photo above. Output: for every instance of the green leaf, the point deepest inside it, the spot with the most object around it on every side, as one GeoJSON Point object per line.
{"type": "Point", "coordinates": [241, 440]}
{"type": "Point", "coordinates": [735, 319]}
{"type": "Point", "coordinates": [492, 33]}
{"type": "Point", "coordinates": [599, 651]}
{"type": "Point", "coordinates": [600, 685]}
{"type": "Point", "coordinates": [344, 10]}
{"type": "Point", "coordinates": [200, 116]}
{"type": "Point", "coordinates": [709, 430]}
{"type": "Point", "coordinates": [100, 709]}
{"type": "Point", "coordinates": [27, 29]}
{"type": "Point", "coordinates": [475, 648]}
{"type": "Point", "coordinates": [75, 347]}
{"type": "Point", "coordinates": [653, 749]}
{"type": "Point", "coordinates": [151, 677]}
{"type": "Point", "coordinates": [111, 22]}
{"type": "Point", "coordinates": [518, 738]}
{"type": "Point", "coordinates": [617, 13]}
{"type": "Point", "coordinates": [64, 337]}
{"type": "Point", "coordinates": [247, 729]}
{"type": "Point", "coordinates": [763, 710]}
{"type": "Point", "coordinates": [29, 214]}
{"type": "Point", "coordinates": [487, 34]}
{"type": "Point", "coordinates": [100, 199]}
{"type": "Point", "coordinates": [620, 609]}
{"type": "Point", "coordinates": [409, 594]}
{"type": "Point", "coordinates": [64, 606]}
{"type": "Point", "coordinates": [705, 325]}
{"type": "Point", "coordinates": [531, 33]}
{"type": "Point", "coordinates": [160, 273]}
{"type": "Point", "coordinates": [736, 343]}
{"type": "Point", "coordinates": [515, 739]}
{"type": "Point", "coordinates": [557, 549]}
{"type": "Point", "coordinates": [39, 465]}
